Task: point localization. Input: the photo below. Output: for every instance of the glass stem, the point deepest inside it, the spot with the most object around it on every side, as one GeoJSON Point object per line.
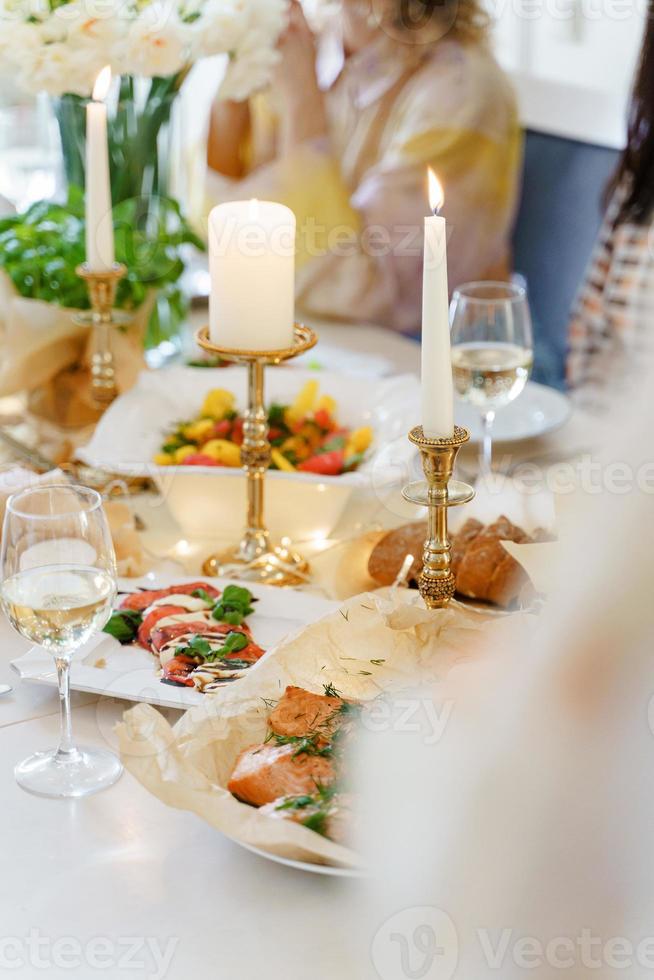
{"type": "Point", "coordinates": [487, 444]}
{"type": "Point", "coordinates": [67, 749]}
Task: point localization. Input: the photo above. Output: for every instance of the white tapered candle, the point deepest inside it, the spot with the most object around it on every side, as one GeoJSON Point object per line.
{"type": "Point", "coordinates": [99, 225]}
{"type": "Point", "coordinates": [437, 388]}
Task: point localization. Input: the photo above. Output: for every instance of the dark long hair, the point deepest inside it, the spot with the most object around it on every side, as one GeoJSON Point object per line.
{"type": "Point", "coordinates": [635, 172]}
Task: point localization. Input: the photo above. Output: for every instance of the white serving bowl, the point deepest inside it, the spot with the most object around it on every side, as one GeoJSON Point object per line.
{"type": "Point", "coordinates": [210, 501]}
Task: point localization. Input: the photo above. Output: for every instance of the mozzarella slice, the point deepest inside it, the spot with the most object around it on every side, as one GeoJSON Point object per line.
{"type": "Point", "coordinates": [190, 617]}
{"type": "Point", "coordinates": [189, 602]}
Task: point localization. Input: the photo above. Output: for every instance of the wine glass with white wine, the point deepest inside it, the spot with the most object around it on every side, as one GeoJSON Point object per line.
{"type": "Point", "coordinates": [492, 349]}
{"type": "Point", "coordinates": [58, 588]}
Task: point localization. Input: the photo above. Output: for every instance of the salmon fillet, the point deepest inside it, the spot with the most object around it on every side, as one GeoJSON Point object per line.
{"type": "Point", "coordinates": [263, 773]}
{"type": "Point", "coordinates": [300, 713]}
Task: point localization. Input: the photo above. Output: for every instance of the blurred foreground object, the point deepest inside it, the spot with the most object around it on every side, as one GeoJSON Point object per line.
{"type": "Point", "coordinates": [526, 844]}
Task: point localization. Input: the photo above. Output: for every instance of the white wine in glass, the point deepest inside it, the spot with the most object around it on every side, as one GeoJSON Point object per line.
{"type": "Point", "coordinates": [60, 606]}
{"type": "Point", "coordinates": [492, 349]}
{"type": "Point", "coordinates": [58, 589]}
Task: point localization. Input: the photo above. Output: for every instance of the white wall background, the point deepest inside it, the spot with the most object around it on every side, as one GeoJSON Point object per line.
{"type": "Point", "coordinates": [572, 62]}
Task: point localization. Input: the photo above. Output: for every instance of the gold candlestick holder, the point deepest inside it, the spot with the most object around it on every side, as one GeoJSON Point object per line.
{"type": "Point", "coordinates": [102, 317]}
{"type": "Point", "coordinates": [437, 493]}
{"type": "Point", "coordinates": [255, 558]}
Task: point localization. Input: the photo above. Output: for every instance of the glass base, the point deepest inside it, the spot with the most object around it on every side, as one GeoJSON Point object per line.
{"type": "Point", "coordinates": [82, 772]}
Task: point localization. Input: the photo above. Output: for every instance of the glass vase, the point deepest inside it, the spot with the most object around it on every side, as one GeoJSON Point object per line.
{"type": "Point", "coordinates": [141, 160]}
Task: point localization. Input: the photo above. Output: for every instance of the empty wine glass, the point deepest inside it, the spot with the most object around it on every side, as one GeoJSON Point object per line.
{"type": "Point", "coordinates": [492, 349]}
{"type": "Point", "coordinates": [58, 588]}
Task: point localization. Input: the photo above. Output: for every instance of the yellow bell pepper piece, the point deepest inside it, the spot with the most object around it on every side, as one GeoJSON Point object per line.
{"type": "Point", "coordinates": [280, 461]}
{"type": "Point", "coordinates": [358, 441]}
{"type": "Point", "coordinates": [163, 459]}
{"type": "Point", "coordinates": [326, 404]}
{"type": "Point", "coordinates": [198, 431]}
{"type": "Point", "coordinates": [223, 451]}
{"type": "Point", "coordinates": [183, 452]}
{"type": "Point", "coordinates": [303, 404]}
{"type": "Point", "coordinates": [217, 404]}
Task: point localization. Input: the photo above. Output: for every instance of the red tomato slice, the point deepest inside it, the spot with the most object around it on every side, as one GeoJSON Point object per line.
{"type": "Point", "coordinates": [151, 620]}
{"type": "Point", "coordinates": [177, 671]}
{"type": "Point", "coordinates": [323, 419]}
{"type": "Point", "coordinates": [141, 600]}
{"type": "Point", "coordinates": [221, 430]}
{"type": "Point", "coordinates": [251, 653]}
{"type": "Point", "coordinates": [200, 459]}
{"type": "Point", "coordinates": [326, 464]}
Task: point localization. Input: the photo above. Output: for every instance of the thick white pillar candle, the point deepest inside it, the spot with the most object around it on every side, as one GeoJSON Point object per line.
{"type": "Point", "coordinates": [99, 225]}
{"type": "Point", "coordinates": [437, 388]}
{"type": "Point", "coordinates": [252, 267]}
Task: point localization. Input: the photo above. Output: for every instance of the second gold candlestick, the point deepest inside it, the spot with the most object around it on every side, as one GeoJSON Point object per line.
{"type": "Point", "coordinates": [254, 558]}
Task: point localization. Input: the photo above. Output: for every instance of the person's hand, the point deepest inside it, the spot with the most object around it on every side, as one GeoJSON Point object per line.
{"type": "Point", "coordinates": [229, 126]}
{"type": "Point", "coordinates": [295, 83]}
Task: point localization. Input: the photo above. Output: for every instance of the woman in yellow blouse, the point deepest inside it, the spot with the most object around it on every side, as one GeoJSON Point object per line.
{"type": "Point", "coordinates": [413, 84]}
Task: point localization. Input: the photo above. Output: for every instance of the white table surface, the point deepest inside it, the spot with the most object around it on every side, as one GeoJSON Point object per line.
{"type": "Point", "coordinates": [121, 864]}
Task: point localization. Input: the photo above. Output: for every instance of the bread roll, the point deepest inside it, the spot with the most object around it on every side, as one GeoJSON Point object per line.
{"type": "Point", "coordinates": [482, 567]}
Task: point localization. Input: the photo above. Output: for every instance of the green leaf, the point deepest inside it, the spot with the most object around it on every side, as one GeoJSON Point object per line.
{"type": "Point", "coordinates": [338, 442]}
{"type": "Point", "coordinates": [234, 642]}
{"type": "Point", "coordinates": [204, 595]}
{"type": "Point", "coordinates": [199, 645]}
{"type": "Point", "coordinates": [295, 803]}
{"type": "Point", "coordinates": [123, 625]}
{"type": "Point", "coordinates": [233, 606]}
{"type": "Point", "coordinates": [276, 415]}
{"type": "Point", "coordinates": [41, 248]}
{"type": "Point", "coordinates": [317, 821]}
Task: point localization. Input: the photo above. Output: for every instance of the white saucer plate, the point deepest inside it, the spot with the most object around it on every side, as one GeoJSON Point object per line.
{"type": "Point", "coordinates": [536, 411]}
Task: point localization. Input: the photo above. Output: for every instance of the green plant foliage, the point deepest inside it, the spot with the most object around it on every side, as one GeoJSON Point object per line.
{"type": "Point", "coordinates": [41, 248]}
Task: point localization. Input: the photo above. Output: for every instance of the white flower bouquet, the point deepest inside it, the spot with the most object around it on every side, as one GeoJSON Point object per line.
{"type": "Point", "coordinates": [60, 46]}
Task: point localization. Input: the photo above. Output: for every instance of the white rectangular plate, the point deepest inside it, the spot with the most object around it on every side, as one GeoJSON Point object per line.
{"type": "Point", "coordinates": [131, 673]}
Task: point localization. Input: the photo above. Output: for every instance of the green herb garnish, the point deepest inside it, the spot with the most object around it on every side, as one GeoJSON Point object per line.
{"type": "Point", "coordinates": [317, 821]}
{"type": "Point", "coordinates": [234, 642]}
{"type": "Point", "coordinates": [204, 595]}
{"type": "Point", "coordinates": [276, 416]}
{"type": "Point", "coordinates": [304, 744]}
{"type": "Point", "coordinates": [124, 624]}
{"type": "Point", "coordinates": [233, 606]}
{"type": "Point", "coordinates": [295, 803]}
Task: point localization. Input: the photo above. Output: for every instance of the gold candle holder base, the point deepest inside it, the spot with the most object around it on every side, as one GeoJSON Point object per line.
{"type": "Point", "coordinates": [255, 559]}
{"type": "Point", "coordinates": [102, 316]}
{"type": "Point", "coordinates": [439, 492]}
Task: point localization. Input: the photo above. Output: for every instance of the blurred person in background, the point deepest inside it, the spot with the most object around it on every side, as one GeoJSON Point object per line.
{"type": "Point", "coordinates": [345, 136]}
{"type": "Point", "coordinates": [611, 322]}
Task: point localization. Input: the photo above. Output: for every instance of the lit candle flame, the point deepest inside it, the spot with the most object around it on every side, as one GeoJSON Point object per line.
{"type": "Point", "coordinates": [253, 209]}
{"type": "Point", "coordinates": [102, 83]}
{"type": "Point", "coordinates": [436, 196]}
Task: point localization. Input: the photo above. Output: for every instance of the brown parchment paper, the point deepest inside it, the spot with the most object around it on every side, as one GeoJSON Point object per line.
{"type": "Point", "coordinates": [373, 645]}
